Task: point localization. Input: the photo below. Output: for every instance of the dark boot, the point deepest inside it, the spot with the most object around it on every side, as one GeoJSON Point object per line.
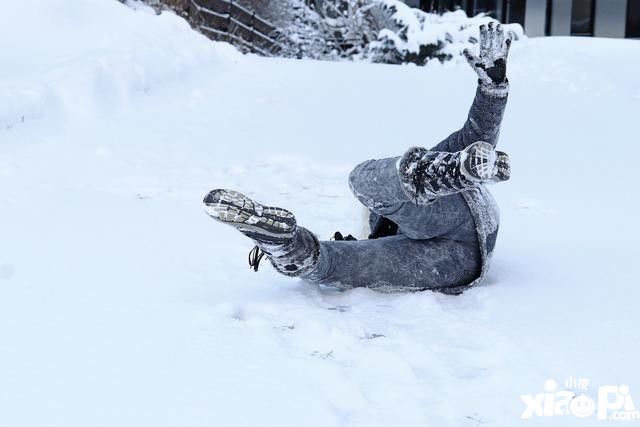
{"type": "Point", "coordinates": [292, 250]}
{"type": "Point", "coordinates": [426, 175]}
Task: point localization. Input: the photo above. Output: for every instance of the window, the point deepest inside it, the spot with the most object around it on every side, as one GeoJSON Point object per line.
{"type": "Point", "coordinates": [513, 11]}
{"type": "Point", "coordinates": [440, 6]}
{"type": "Point", "coordinates": [488, 6]}
{"type": "Point", "coordinates": [582, 12]}
{"type": "Point", "coordinates": [633, 18]}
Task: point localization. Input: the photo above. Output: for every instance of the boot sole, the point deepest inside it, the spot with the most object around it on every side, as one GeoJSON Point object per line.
{"type": "Point", "coordinates": [503, 166]}
{"type": "Point", "coordinates": [479, 161]}
{"type": "Point", "coordinates": [236, 209]}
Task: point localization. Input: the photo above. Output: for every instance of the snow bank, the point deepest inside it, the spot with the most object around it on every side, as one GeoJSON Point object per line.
{"type": "Point", "coordinates": [63, 57]}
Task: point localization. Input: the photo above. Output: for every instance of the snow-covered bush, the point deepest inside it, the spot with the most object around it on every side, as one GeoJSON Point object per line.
{"type": "Point", "coordinates": [418, 37]}
{"type": "Point", "coordinates": [328, 29]}
{"type": "Point", "coordinates": [386, 31]}
{"type": "Point", "coordinates": [304, 35]}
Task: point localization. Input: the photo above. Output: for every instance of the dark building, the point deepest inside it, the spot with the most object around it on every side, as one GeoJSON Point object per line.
{"type": "Point", "coordinates": [600, 18]}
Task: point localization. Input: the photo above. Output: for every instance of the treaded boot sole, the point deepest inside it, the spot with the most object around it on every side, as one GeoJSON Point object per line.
{"type": "Point", "coordinates": [479, 161]}
{"type": "Point", "coordinates": [503, 166]}
{"type": "Point", "coordinates": [263, 223]}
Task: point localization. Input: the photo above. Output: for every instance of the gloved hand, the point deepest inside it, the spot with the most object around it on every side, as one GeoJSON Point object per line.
{"type": "Point", "coordinates": [491, 65]}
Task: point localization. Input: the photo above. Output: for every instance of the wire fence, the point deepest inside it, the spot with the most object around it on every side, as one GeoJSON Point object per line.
{"type": "Point", "coordinates": [226, 20]}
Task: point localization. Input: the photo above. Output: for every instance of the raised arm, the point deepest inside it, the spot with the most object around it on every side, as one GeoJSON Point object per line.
{"type": "Point", "coordinates": [485, 115]}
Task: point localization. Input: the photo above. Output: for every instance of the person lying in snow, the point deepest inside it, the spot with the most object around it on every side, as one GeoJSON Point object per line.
{"type": "Point", "coordinates": [433, 222]}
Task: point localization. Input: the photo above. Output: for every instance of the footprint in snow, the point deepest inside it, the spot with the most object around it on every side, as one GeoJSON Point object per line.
{"type": "Point", "coordinates": [339, 308]}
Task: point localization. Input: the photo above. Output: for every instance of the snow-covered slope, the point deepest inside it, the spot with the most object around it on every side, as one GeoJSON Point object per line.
{"type": "Point", "coordinates": [123, 304]}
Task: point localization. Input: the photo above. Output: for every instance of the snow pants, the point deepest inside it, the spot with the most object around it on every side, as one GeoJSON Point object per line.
{"type": "Point", "coordinates": [436, 245]}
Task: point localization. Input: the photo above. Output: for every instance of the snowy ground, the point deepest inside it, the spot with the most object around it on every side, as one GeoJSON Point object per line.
{"type": "Point", "coordinates": [123, 304]}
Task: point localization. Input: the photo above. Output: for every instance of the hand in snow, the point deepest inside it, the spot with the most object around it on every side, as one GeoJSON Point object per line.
{"type": "Point", "coordinates": [491, 66]}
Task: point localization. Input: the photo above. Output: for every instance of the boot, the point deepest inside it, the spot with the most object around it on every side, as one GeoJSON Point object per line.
{"type": "Point", "coordinates": [292, 250]}
{"type": "Point", "coordinates": [426, 175]}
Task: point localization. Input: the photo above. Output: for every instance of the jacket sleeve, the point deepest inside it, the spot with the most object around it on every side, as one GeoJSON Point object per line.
{"type": "Point", "coordinates": [483, 121]}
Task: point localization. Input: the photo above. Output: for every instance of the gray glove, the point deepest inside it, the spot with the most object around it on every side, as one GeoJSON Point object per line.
{"type": "Point", "coordinates": [491, 66]}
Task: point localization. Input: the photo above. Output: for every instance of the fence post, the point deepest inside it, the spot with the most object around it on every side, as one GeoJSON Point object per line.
{"type": "Point", "coordinates": [253, 28]}
{"type": "Point", "coordinates": [194, 14]}
{"type": "Point", "coordinates": [229, 22]}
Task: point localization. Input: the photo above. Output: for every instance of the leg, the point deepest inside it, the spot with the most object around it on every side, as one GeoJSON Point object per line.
{"type": "Point", "coordinates": [422, 176]}
{"type": "Point", "coordinates": [396, 263]}
{"type": "Point", "coordinates": [391, 263]}
{"type": "Point", "coordinates": [424, 198]}
{"type": "Point", "coordinates": [426, 175]}
{"type": "Point", "coordinates": [376, 184]}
